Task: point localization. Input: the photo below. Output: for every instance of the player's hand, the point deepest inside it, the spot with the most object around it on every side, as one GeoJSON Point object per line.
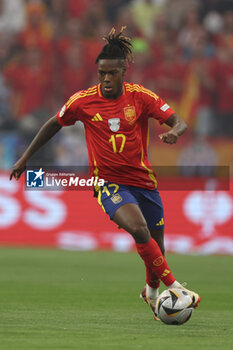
{"type": "Point", "coordinates": [18, 169]}
{"type": "Point", "coordinates": [169, 137]}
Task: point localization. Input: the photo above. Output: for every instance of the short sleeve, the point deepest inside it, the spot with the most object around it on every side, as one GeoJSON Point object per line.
{"type": "Point", "coordinates": [70, 112]}
{"type": "Point", "coordinates": [156, 107]}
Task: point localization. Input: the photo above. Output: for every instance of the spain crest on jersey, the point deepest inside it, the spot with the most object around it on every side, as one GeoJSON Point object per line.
{"type": "Point", "coordinates": [130, 114]}
{"type": "Point", "coordinates": [114, 124]}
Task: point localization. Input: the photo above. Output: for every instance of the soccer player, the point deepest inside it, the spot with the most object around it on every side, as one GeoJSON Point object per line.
{"type": "Point", "coordinates": [115, 115]}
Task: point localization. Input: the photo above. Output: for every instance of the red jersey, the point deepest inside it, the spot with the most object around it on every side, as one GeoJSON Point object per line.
{"type": "Point", "coordinates": [117, 131]}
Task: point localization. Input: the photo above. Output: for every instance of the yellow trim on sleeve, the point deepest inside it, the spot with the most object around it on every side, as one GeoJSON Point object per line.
{"type": "Point", "coordinates": [85, 93]}
{"type": "Point", "coordinates": [138, 88]}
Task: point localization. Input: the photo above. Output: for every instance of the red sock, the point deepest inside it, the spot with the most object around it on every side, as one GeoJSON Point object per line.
{"type": "Point", "coordinates": [151, 278]}
{"type": "Point", "coordinates": [154, 259]}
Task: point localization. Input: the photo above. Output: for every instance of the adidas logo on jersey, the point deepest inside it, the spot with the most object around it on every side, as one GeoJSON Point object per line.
{"type": "Point", "coordinates": [97, 118]}
{"type": "Point", "coordinates": [160, 223]}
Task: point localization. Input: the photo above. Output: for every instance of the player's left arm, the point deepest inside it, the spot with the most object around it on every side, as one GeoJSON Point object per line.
{"type": "Point", "coordinates": [178, 127]}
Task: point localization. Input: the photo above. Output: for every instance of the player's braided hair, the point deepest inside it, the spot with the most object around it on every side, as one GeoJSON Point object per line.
{"type": "Point", "coordinates": [118, 46]}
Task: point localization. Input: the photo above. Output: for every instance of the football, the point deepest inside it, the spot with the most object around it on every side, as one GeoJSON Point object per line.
{"type": "Point", "coordinates": [174, 306]}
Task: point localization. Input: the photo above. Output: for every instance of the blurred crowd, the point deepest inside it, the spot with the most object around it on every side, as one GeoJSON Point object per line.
{"type": "Point", "coordinates": [183, 51]}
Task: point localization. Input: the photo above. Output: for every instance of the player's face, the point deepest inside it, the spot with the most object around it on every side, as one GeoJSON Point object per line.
{"type": "Point", "coordinates": [111, 75]}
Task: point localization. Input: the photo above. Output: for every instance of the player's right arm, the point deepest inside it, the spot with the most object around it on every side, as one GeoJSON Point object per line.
{"type": "Point", "coordinates": [47, 131]}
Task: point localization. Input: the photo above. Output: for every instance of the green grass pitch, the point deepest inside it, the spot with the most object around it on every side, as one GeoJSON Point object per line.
{"type": "Point", "coordinates": [51, 299]}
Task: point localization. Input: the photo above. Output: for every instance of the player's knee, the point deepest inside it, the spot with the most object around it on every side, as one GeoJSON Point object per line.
{"type": "Point", "coordinates": [140, 232]}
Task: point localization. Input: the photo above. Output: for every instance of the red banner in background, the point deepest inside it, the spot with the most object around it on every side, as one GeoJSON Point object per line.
{"type": "Point", "coordinates": [195, 221]}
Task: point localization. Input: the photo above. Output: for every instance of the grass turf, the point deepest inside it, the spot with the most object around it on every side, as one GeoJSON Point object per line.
{"type": "Point", "coordinates": [51, 299]}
